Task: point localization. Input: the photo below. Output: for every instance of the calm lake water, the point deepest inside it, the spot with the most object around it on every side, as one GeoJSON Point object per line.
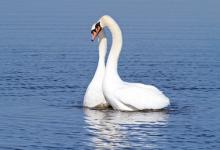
{"type": "Point", "coordinates": [47, 60]}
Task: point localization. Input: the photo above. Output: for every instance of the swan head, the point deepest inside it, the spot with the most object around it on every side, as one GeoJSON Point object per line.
{"type": "Point", "coordinates": [97, 30]}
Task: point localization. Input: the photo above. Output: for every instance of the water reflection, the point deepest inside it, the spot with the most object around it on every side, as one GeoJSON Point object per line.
{"type": "Point", "coordinates": [111, 129]}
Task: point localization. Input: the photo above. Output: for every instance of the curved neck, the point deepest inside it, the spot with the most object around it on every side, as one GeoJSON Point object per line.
{"type": "Point", "coordinates": [112, 62]}
{"type": "Point", "coordinates": [100, 70]}
{"type": "Point", "coordinates": [102, 46]}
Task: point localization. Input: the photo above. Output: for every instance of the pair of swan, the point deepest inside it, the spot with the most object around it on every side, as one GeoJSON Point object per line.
{"type": "Point", "coordinates": [107, 88]}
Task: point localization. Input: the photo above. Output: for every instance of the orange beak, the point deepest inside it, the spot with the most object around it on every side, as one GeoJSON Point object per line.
{"type": "Point", "coordinates": [95, 32]}
{"type": "Point", "coordinates": [94, 35]}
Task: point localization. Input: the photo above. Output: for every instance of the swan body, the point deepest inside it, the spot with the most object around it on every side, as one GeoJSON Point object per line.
{"type": "Point", "coordinates": [94, 97]}
{"type": "Point", "coordinates": [122, 95]}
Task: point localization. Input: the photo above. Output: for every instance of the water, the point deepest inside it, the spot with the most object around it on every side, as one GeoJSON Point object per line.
{"type": "Point", "coordinates": [47, 61]}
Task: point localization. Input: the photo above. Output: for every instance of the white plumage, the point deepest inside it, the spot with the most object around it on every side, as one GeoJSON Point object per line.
{"type": "Point", "coordinates": [94, 97]}
{"type": "Point", "coordinates": [122, 95]}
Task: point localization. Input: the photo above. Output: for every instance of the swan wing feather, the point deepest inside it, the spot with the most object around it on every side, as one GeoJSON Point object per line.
{"type": "Point", "coordinates": [141, 97]}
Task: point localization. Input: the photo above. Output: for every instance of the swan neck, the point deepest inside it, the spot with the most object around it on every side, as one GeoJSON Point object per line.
{"type": "Point", "coordinates": [102, 47]}
{"type": "Point", "coordinates": [102, 52]}
{"type": "Point", "coordinates": [112, 62]}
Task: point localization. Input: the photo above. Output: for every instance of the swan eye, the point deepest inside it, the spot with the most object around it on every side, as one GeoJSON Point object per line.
{"type": "Point", "coordinates": [97, 25]}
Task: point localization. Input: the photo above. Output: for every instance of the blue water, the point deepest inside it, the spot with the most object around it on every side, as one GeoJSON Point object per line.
{"type": "Point", "coordinates": [47, 60]}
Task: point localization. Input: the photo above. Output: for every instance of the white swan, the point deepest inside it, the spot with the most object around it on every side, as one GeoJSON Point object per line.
{"type": "Point", "coordinates": [94, 97]}
{"type": "Point", "coordinates": [122, 95]}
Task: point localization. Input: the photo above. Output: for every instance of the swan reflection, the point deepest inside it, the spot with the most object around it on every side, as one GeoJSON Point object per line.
{"type": "Point", "coordinates": [111, 129]}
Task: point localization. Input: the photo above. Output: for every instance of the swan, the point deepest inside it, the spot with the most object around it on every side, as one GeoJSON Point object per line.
{"type": "Point", "coordinates": [121, 95]}
{"type": "Point", "coordinates": [94, 97]}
